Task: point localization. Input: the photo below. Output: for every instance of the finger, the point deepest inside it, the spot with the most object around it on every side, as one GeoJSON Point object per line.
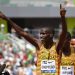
{"type": "Point", "coordinates": [60, 6]}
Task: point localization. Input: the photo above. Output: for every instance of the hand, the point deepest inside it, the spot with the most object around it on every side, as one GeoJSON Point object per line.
{"type": "Point", "coordinates": [62, 11]}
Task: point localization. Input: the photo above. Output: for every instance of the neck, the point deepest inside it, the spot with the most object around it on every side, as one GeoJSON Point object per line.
{"type": "Point", "coordinates": [48, 44]}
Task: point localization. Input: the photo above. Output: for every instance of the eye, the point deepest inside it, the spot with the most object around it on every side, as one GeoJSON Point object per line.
{"type": "Point", "coordinates": [41, 33]}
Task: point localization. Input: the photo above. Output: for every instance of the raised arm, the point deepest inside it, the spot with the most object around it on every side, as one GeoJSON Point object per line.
{"type": "Point", "coordinates": [64, 30]}
{"type": "Point", "coordinates": [20, 31]}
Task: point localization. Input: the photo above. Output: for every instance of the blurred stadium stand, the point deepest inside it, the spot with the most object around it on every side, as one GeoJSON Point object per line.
{"type": "Point", "coordinates": [32, 2]}
{"type": "Point", "coordinates": [35, 8]}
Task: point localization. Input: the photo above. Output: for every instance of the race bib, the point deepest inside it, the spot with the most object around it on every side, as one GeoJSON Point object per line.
{"type": "Point", "coordinates": [48, 66]}
{"type": "Point", "coordinates": [67, 70]}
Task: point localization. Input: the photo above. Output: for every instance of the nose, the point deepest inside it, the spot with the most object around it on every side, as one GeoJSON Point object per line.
{"type": "Point", "coordinates": [43, 35]}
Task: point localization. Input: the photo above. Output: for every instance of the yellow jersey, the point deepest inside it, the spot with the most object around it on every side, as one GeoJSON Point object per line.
{"type": "Point", "coordinates": [68, 64]}
{"type": "Point", "coordinates": [48, 55]}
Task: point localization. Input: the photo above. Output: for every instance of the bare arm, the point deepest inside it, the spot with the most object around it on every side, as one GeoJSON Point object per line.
{"type": "Point", "coordinates": [20, 31]}
{"type": "Point", "coordinates": [64, 30]}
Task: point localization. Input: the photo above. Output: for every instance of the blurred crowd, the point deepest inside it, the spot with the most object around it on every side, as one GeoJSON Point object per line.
{"type": "Point", "coordinates": [19, 61]}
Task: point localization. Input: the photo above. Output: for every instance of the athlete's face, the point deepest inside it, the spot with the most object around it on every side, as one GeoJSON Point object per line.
{"type": "Point", "coordinates": [45, 34]}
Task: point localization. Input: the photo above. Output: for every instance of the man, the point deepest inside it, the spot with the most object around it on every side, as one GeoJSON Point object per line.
{"type": "Point", "coordinates": [66, 49]}
{"type": "Point", "coordinates": [46, 49]}
{"type": "Point", "coordinates": [67, 60]}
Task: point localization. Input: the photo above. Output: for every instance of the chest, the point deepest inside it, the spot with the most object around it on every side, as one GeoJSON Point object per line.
{"type": "Point", "coordinates": [47, 53]}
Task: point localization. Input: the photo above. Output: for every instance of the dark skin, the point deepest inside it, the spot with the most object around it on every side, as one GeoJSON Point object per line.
{"type": "Point", "coordinates": [47, 38]}
{"type": "Point", "coordinates": [67, 50]}
{"type": "Point", "coordinates": [66, 47]}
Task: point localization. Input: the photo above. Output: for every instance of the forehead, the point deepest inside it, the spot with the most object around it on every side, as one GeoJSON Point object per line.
{"type": "Point", "coordinates": [73, 41]}
{"type": "Point", "coordinates": [46, 30]}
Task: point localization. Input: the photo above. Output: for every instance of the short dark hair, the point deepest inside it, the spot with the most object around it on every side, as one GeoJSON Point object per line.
{"type": "Point", "coordinates": [66, 49]}
{"type": "Point", "coordinates": [68, 36]}
{"type": "Point", "coordinates": [49, 29]}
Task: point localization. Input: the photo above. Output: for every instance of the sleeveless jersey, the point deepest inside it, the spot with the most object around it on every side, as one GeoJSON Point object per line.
{"type": "Point", "coordinates": [68, 63]}
{"type": "Point", "coordinates": [46, 54]}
